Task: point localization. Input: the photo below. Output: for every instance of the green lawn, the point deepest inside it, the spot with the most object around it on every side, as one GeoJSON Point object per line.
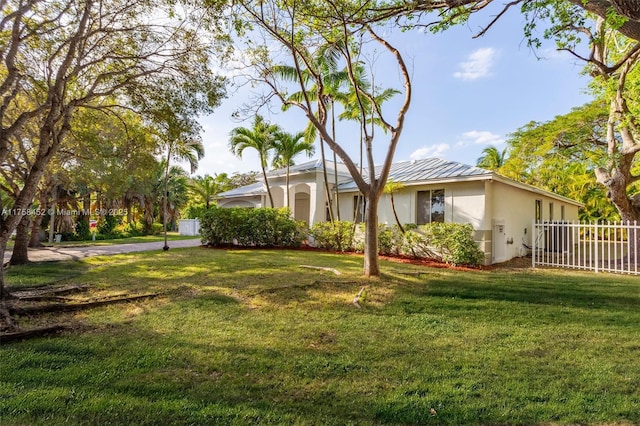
{"type": "Point", "coordinates": [249, 337]}
{"type": "Point", "coordinates": [171, 236]}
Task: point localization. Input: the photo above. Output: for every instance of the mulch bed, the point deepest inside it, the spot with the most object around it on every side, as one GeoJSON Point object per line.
{"type": "Point", "coordinates": [515, 263]}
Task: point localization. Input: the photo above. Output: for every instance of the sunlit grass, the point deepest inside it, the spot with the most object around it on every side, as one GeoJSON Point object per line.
{"type": "Point", "coordinates": [44, 273]}
{"type": "Point", "coordinates": [248, 337]}
{"type": "Point", "coordinates": [171, 236]}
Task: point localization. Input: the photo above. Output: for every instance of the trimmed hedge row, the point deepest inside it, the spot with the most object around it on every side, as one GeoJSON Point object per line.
{"type": "Point", "coordinates": [268, 227]}
{"type": "Point", "coordinates": [264, 227]}
{"type": "Point", "coordinates": [451, 243]}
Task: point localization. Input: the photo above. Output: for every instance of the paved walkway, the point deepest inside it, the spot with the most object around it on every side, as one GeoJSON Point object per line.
{"type": "Point", "coordinates": [71, 253]}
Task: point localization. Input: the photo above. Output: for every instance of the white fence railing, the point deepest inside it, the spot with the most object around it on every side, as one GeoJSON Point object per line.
{"type": "Point", "coordinates": [600, 247]}
{"type": "Point", "coordinates": [189, 227]}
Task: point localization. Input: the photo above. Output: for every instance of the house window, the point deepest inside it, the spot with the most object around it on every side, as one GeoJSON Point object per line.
{"type": "Point", "coordinates": [538, 210]}
{"type": "Point", "coordinates": [550, 212]}
{"type": "Point", "coordinates": [561, 212]}
{"type": "Point", "coordinates": [430, 206]}
{"type": "Point", "coordinates": [358, 208]}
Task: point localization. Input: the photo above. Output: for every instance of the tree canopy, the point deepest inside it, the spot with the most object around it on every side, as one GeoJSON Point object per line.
{"type": "Point", "coordinates": [57, 58]}
{"type": "Point", "coordinates": [342, 33]}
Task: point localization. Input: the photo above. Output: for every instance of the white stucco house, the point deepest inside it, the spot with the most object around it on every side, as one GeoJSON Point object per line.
{"type": "Point", "coordinates": [499, 209]}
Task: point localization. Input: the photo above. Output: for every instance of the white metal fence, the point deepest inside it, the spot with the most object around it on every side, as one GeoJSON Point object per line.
{"type": "Point", "coordinates": [606, 247]}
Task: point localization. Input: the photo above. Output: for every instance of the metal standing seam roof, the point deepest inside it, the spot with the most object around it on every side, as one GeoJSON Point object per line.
{"type": "Point", "coordinates": [424, 171]}
{"type": "Point", "coordinates": [256, 188]}
{"type": "Point", "coordinates": [259, 188]}
{"type": "Point", "coordinates": [416, 171]}
{"type": "Point", "coordinates": [309, 166]}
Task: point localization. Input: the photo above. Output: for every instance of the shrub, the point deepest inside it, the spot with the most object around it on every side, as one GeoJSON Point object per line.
{"type": "Point", "coordinates": [217, 226]}
{"type": "Point", "coordinates": [129, 229]}
{"type": "Point", "coordinates": [107, 224]}
{"type": "Point", "coordinates": [452, 243]}
{"type": "Point", "coordinates": [336, 236]}
{"type": "Point", "coordinates": [69, 236]}
{"type": "Point", "coordinates": [156, 228]}
{"type": "Point", "coordinates": [389, 239]}
{"type": "Point", "coordinates": [83, 231]}
{"type": "Point", "coordinates": [263, 227]}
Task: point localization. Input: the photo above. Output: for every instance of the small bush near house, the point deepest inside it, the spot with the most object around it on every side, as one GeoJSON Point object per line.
{"type": "Point", "coordinates": [452, 243]}
{"type": "Point", "coordinates": [336, 236]}
{"type": "Point", "coordinates": [264, 227]}
{"type": "Point", "coordinates": [390, 239]}
{"type": "Point", "coordinates": [449, 242]}
{"type": "Point", "coordinates": [217, 226]}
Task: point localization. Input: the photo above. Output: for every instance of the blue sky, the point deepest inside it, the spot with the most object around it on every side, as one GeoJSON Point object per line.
{"type": "Point", "coordinates": [468, 94]}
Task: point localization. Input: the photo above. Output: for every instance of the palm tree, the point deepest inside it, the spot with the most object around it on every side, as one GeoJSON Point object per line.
{"type": "Point", "coordinates": [358, 108]}
{"type": "Point", "coordinates": [259, 137]}
{"type": "Point", "coordinates": [287, 146]}
{"type": "Point", "coordinates": [182, 144]}
{"type": "Point", "coordinates": [492, 159]}
{"type": "Point", "coordinates": [390, 188]}
{"type": "Point", "coordinates": [177, 185]}
{"type": "Point", "coordinates": [332, 80]}
{"type": "Point", "coordinates": [204, 187]}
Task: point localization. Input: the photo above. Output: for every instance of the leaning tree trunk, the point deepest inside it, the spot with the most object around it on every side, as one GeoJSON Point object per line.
{"type": "Point", "coordinates": [395, 213]}
{"type": "Point", "coordinates": [20, 255]}
{"type": "Point", "coordinates": [326, 181]}
{"type": "Point", "coordinates": [266, 182]}
{"type": "Point", "coordinates": [371, 263]}
{"type": "Point", "coordinates": [3, 247]}
{"type": "Point", "coordinates": [36, 225]}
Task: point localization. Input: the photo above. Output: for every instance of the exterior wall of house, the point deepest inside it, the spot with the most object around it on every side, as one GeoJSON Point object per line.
{"type": "Point", "coordinates": [311, 184]}
{"type": "Point", "coordinates": [514, 210]}
{"type": "Point", "coordinates": [501, 214]}
{"type": "Point", "coordinates": [464, 203]}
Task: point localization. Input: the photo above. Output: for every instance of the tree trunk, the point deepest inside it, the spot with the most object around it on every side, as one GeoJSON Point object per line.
{"type": "Point", "coordinates": [617, 189]}
{"type": "Point", "coordinates": [165, 201]}
{"type": "Point", "coordinates": [371, 263]}
{"type": "Point", "coordinates": [335, 158]}
{"type": "Point", "coordinates": [335, 175]}
{"type": "Point", "coordinates": [3, 246]}
{"type": "Point", "coordinates": [52, 216]}
{"type": "Point", "coordinates": [395, 214]}
{"type": "Point", "coordinates": [266, 182]}
{"type": "Point", "coordinates": [36, 225]}
{"type": "Point", "coordinates": [326, 180]}
{"type": "Point", "coordinates": [288, 195]}
{"type": "Point", "coordinates": [20, 255]}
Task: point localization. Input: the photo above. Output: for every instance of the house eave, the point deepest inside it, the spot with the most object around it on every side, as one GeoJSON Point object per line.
{"type": "Point", "coordinates": [489, 176]}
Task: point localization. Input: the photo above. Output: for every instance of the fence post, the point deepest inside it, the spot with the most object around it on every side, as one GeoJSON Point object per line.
{"type": "Point", "coordinates": [533, 243]}
{"type": "Point", "coordinates": [595, 247]}
{"type": "Point", "coordinates": [635, 247]}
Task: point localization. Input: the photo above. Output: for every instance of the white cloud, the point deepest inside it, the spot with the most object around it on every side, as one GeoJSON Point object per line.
{"type": "Point", "coordinates": [478, 65]}
{"type": "Point", "coordinates": [430, 151]}
{"type": "Point", "coordinates": [477, 137]}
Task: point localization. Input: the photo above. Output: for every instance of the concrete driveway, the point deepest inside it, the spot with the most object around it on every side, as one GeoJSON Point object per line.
{"type": "Point", "coordinates": [47, 254]}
